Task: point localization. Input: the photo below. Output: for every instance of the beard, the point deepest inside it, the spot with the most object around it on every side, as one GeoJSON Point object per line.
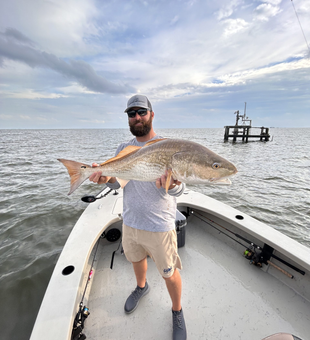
{"type": "Point", "coordinates": [141, 130]}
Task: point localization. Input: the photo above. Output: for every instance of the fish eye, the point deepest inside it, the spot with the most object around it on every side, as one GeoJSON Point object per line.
{"type": "Point", "coordinates": [216, 166]}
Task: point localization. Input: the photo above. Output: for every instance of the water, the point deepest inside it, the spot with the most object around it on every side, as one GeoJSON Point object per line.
{"type": "Point", "coordinates": [36, 215]}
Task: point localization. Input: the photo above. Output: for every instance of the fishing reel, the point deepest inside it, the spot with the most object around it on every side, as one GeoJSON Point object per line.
{"type": "Point", "coordinates": [78, 324]}
{"type": "Point", "coordinates": [254, 255]}
{"type": "Point", "coordinates": [85, 312]}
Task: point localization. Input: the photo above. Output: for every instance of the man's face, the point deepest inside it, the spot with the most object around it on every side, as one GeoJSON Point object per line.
{"type": "Point", "coordinates": [140, 126]}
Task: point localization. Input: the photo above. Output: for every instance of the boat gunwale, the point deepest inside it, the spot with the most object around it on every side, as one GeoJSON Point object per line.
{"type": "Point", "coordinates": [287, 246]}
{"type": "Point", "coordinates": [76, 252]}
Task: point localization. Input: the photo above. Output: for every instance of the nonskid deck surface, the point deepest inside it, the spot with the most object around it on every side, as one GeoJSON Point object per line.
{"type": "Point", "coordinates": [223, 297]}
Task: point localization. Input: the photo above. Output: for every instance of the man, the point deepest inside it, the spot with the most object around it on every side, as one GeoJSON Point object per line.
{"type": "Point", "coordinates": [149, 219]}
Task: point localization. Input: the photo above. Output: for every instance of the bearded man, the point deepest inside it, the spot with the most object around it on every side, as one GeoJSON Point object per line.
{"type": "Point", "coordinates": [149, 214]}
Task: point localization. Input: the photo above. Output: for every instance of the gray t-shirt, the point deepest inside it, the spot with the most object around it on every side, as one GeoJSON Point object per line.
{"type": "Point", "coordinates": [145, 206]}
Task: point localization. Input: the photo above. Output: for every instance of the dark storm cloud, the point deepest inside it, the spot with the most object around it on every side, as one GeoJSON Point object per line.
{"type": "Point", "coordinates": [16, 46]}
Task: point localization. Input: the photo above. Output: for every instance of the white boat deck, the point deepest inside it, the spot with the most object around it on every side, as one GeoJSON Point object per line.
{"type": "Point", "coordinates": [224, 297]}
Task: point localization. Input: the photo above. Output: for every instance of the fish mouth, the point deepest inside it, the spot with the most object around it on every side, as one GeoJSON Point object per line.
{"type": "Point", "coordinates": [222, 181]}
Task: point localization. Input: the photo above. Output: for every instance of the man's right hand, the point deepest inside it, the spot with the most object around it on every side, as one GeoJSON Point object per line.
{"type": "Point", "coordinates": [97, 177]}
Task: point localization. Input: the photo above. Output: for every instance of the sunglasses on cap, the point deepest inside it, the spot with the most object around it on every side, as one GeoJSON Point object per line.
{"type": "Point", "coordinates": [140, 112]}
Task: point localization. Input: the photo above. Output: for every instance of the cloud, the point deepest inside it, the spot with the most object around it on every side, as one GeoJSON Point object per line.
{"type": "Point", "coordinates": [18, 36]}
{"type": "Point", "coordinates": [228, 10]}
{"type": "Point", "coordinates": [6, 117]}
{"type": "Point", "coordinates": [233, 26]}
{"type": "Point", "coordinates": [228, 82]}
{"type": "Point", "coordinates": [73, 89]}
{"type": "Point", "coordinates": [243, 77]}
{"type": "Point", "coordinates": [30, 94]}
{"type": "Point", "coordinates": [265, 11]}
{"type": "Point", "coordinates": [15, 46]}
{"type": "Point", "coordinates": [273, 2]}
{"type": "Point", "coordinates": [25, 117]}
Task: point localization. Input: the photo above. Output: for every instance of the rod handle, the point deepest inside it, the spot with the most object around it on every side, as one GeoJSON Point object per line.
{"type": "Point", "coordinates": [281, 270]}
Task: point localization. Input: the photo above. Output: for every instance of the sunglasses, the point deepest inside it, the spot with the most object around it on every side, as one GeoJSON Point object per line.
{"type": "Point", "coordinates": [140, 112]}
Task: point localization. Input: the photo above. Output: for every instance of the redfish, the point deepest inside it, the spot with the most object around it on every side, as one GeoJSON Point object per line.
{"type": "Point", "coordinates": [185, 161]}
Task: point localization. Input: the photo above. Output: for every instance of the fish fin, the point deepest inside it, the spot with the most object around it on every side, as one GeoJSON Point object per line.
{"type": "Point", "coordinates": [154, 141]}
{"type": "Point", "coordinates": [122, 182]}
{"type": "Point", "coordinates": [169, 173]}
{"type": "Point", "coordinates": [75, 170]}
{"type": "Point", "coordinates": [124, 153]}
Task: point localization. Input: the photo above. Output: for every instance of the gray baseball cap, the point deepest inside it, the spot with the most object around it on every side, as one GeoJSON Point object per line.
{"type": "Point", "coordinates": [139, 101]}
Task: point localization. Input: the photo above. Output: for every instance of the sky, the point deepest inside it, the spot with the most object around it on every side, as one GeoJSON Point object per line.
{"type": "Point", "coordinates": [75, 63]}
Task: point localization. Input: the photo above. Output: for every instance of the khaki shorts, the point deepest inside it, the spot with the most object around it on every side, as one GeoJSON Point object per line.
{"type": "Point", "coordinates": [160, 246]}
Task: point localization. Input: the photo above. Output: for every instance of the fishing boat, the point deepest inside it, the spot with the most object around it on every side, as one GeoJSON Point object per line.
{"type": "Point", "coordinates": [242, 279]}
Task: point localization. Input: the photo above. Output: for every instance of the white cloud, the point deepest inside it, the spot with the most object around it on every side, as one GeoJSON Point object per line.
{"type": "Point", "coordinates": [272, 2]}
{"type": "Point", "coordinates": [233, 26]}
{"type": "Point", "coordinates": [227, 81]}
{"type": "Point", "coordinates": [30, 94]}
{"type": "Point", "coordinates": [243, 77]}
{"type": "Point", "coordinates": [227, 10]}
{"type": "Point", "coordinates": [265, 11]}
{"type": "Point", "coordinates": [303, 8]}
{"type": "Point", "coordinates": [5, 117]}
{"type": "Point", "coordinates": [32, 119]}
{"type": "Point", "coordinates": [74, 89]}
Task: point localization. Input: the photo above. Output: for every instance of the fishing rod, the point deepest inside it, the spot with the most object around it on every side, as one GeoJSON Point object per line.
{"type": "Point", "coordinates": [254, 253]}
{"type": "Point", "coordinates": [300, 26]}
{"type": "Point", "coordinates": [83, 313]}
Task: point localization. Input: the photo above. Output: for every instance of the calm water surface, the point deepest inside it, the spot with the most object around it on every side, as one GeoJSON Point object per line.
{"type": "Point", "coordinates": [36, 215]}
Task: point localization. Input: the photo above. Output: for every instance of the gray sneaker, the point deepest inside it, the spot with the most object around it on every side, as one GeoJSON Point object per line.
{"type": "Point", "coordinates": [179, 328]}
{"type": "Point", "coordinates": [134, 298]}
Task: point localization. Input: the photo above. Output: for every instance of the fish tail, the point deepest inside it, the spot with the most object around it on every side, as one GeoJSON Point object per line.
{"type": "Point", "coordinates": [77, 173]}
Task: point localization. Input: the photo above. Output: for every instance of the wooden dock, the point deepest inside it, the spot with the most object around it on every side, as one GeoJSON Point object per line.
{"type": "Point", "coordinates": [244, 131]}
